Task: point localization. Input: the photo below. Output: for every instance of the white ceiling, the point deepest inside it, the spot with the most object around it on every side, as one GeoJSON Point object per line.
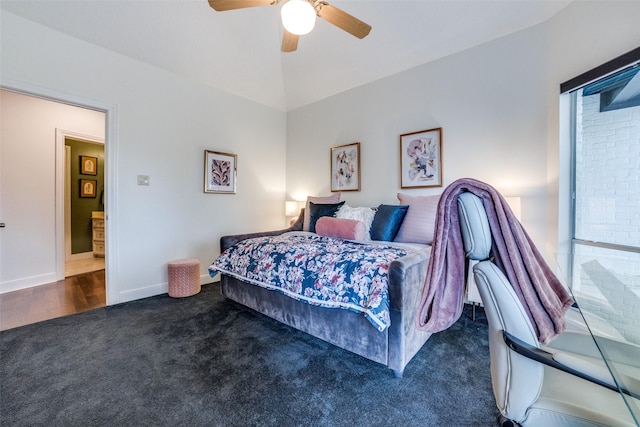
{"type": "Point", "coordinates": [239, 51]}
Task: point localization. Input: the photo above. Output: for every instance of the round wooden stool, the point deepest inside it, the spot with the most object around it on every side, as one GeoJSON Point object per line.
{"type": "Point", "coordinates": [184, 277]}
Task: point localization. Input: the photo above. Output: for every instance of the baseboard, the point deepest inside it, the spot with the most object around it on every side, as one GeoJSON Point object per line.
{"type": "Point", "coordinates": [205, 279]}
{"type": "Point", "coordinates": [139, 293]}
{"type": "Point", "coordinates": [153, 290]}
{"type": "Point", "coordinates": [79, 256]}
{"type": "Point", "coordinates": [27, 282]}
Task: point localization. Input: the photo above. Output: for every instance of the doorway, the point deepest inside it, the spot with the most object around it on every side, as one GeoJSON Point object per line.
{"type": "Point", "coordinates": [84, 231]}
{"type": "Point", "coordinates": [33, 165]}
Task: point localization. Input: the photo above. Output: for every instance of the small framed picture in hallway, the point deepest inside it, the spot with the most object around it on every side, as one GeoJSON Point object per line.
{"type": "Point", "coordinates": [88, 165]}
{"type": "Point", "coordinates": [88, 187]}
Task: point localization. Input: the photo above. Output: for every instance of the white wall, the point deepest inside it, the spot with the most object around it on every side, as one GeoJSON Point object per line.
{"type": "Point", "coordinates": [489, 101]}
{"type": "Point", "coordinates": [159, 125]}
{"type": "Point", "coordinates": [497, 105]}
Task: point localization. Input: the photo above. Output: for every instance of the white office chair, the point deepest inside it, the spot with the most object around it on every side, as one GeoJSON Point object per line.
{"type": "Point", "coordinates": [535, 386]}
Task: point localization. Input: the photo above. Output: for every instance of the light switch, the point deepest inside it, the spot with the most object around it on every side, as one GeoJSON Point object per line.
{"type": "Point", "coordinates": [143, 180]}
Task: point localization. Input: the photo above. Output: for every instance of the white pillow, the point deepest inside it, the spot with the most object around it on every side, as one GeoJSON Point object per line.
{"type": "Point", "coordinates": [362, 214]}
{"type": "Point", "coordinates": [420, 220]}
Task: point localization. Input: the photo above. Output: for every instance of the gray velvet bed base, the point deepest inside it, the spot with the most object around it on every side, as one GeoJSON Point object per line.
{"type": "Point", "coordinates": [393, 347]}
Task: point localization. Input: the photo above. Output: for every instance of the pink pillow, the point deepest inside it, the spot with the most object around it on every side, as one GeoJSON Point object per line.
{"type": "Point", "coordinates": [334, 198]}
{"type": "Point", "coordinates": [420, 220]}
{"type": "Point", "coordinates": [349, 229]}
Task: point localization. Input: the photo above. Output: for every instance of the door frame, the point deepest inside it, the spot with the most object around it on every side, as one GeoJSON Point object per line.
{"type": "Point", "coordinates": [63, 196]}
{"type": "Point", "coordinates": [110, 155]}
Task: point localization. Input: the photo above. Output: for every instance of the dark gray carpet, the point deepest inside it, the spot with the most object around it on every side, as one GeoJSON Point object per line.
{"type": "Point", "coordinates": [206, 361]}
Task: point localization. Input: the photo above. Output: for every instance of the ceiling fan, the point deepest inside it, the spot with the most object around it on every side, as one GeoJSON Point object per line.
{"type": "Point", "coordinates": [298, 17]}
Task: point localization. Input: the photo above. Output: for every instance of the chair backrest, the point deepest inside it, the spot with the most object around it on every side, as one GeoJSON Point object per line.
{"type": "Point", "coordinates": [474, 226]}
{"type": "Point", "coordinates": [516, 380]}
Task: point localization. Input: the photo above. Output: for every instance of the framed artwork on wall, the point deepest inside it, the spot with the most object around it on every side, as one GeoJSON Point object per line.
{"type": "Point", "coordinates": [421, 159]}
{"type": "Point", "coordinates": [345, 167]}
{"type": "Point", "coordinates": [88, 165]}
{"type": "Point", "coordinates": [88, 187]}
{"type": "Point", "coordinates": [220, 172]}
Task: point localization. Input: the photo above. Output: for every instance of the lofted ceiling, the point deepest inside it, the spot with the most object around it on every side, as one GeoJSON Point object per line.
{"type": "Point", "coordinates": [239, 50]}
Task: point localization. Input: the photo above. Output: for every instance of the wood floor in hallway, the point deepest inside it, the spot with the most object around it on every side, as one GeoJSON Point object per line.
{"type": "Point", "coordinates": [74, 294]}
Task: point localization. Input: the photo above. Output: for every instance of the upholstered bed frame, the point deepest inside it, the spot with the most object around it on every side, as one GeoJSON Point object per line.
{"type": "Point", "coordinates": [394, 347]}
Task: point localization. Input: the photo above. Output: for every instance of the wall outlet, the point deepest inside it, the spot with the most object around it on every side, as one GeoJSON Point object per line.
{"type": "Point", "coordinates": [143, 180]}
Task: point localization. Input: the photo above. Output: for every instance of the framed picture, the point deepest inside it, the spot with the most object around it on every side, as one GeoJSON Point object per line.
{"type": "Point", "coordinates": [88, 187]}
{"type": "Point", "coordinates": [421, 159]}
{"type": "Point", "coordinates": [219, 172]}
{"type": "Point", "coordinates": [88, 165]}
{"type": "Point", "coordinates": [345, 167]}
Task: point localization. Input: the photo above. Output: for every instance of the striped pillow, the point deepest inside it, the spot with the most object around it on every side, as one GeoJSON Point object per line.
{"type": "Point", "coordinates": [420, 220]}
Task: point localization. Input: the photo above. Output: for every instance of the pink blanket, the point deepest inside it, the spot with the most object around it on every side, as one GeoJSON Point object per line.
{"type": "Point", "coordinates": [539, 290]}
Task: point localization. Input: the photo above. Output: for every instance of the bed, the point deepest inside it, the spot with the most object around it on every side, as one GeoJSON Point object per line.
{"type": "Point", "coordinates": [376, 321]}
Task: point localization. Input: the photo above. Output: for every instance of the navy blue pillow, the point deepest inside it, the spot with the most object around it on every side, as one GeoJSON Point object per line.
{"type": "Point", "coordinates": [387, 222]}
{"type": "Point", "coordinates": [318, 210]}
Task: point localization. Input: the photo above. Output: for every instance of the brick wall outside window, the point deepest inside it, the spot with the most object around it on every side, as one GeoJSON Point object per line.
{"type": "Point", "coordinates": [608, 167]}
{"type": "Point", "coordinates": [608, 210]}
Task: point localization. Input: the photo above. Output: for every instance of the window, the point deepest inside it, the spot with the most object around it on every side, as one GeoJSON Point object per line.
{"type": "Point", "coordinates": [620, 90]}
{"type": "Point", "coordinates": [604, 262]}
{"type": "Point", "coordinates": [605, 189]}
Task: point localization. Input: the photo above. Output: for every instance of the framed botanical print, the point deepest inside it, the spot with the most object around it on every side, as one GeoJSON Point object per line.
{"type": "Point", "coordinates": [88, 187]}
{"type": "Point", "coordinates": [88, 165]}
{"type": "Point", "coordinates": [421, 159]}
{"type": "Point", "coordinates": [345, 167]}
{"type": "Point", "coordinates": [220, 172]}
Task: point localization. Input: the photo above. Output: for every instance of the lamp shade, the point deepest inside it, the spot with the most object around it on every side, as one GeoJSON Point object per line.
{"type": "Point", "coordinates": [298, 16]}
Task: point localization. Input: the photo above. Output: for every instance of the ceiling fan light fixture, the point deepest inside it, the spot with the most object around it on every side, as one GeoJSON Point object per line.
{"type": "Point", "coordinates": [298, 16]}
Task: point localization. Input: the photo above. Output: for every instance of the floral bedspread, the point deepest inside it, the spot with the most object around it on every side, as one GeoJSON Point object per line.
{"type": "Point", "coordinates": [318, 270]}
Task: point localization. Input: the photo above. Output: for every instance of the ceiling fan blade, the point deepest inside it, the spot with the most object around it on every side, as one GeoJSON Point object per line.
{"type": "Point", "coordinates": [343, 20]}
{"type": "Point", "coordinates": [289, 41]}
{"type": "Point", "coordinates": [222, 5]}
